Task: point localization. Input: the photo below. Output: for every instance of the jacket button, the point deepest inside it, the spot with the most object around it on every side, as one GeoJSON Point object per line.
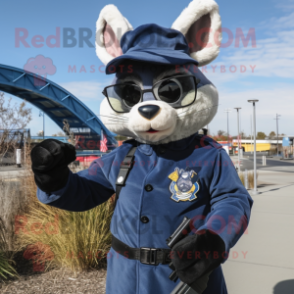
{"type": "Point", "coordinates": [144, 219]}
{"type": "Point", "coordinates": [148, 188]}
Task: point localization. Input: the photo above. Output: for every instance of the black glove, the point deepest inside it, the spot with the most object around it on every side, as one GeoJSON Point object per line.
{"type": "Point", "coordinates": [197, 255]}
{"type": "Point", "coordinates": [50, 160]}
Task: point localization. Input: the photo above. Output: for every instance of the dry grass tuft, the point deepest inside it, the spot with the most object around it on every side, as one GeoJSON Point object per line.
{"type": "Point", "coordinates": [12, 203]}
{"type": "Point", "coordinates": [241, 176]}
{"type": "Point", "coordinates": [250, 178]}
{"type": "Point", "coordinates": [6, 269]}
{"type": "Point", "coordinates": [75, 240]}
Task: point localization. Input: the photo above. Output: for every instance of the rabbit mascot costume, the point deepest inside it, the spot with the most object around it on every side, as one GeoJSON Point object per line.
{"type": "Point", "coordinates": [160, 99]}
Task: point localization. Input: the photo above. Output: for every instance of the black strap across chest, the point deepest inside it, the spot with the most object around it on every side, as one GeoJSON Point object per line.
{"type": "Point", "coordinates": [151, 256]}
{"type": "Point", "coordinates": [125, 168]}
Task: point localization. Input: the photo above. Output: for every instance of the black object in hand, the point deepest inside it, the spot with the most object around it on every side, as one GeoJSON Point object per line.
{"type": "Point", "coordinates": [193, 273]}
{"type": "Point", "coordinates": [50, 160]}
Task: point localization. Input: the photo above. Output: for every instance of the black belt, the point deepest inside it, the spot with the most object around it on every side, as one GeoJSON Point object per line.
{"type": "Point", "coordinates": [151, 256]}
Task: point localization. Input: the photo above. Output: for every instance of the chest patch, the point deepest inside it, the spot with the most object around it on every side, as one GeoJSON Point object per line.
{"type": "Point", "coordinates": [184, 185]}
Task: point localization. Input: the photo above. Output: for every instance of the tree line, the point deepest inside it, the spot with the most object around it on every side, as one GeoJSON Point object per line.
{"type": "Point", "coordinates": [223, 136]}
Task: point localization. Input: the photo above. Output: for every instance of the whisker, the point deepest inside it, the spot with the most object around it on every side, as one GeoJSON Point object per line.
{"type": "Point", "coordinates": [184, 113]}
{"type": "Point", "coordinates": [113, 116]}
{"type": "Point", "coordinates": [188, 108]}
{"type": "Point", "coordinates": [116, 118]}
{"type": "Point", "coordinates": [116, 122]}
{"type": "Point", "coordinates": [125, 135]}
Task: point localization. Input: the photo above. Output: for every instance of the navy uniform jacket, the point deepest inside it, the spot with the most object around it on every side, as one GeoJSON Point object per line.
{"type": "Point", "coordinates": [212, 194]}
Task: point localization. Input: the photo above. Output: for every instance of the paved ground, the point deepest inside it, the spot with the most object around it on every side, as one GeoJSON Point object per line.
{"type": "Point", "coordinates": [272, 163]}
{"type": "Point", "coordinates": [268, 265]}
{"type": "Point", "coordinates": [11, 171]}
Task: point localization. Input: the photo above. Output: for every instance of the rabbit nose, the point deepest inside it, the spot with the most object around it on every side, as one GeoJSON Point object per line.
{"type": "Point", "coordinates": [148, 111]}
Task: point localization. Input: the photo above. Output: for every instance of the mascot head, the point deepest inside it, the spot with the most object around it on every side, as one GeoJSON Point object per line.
{"type": "Point", "coordinates": [158, 94]}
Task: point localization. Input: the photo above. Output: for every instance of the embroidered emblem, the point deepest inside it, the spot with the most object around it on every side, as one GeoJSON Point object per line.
{"type": "Point", "coordinates": [184, 185]}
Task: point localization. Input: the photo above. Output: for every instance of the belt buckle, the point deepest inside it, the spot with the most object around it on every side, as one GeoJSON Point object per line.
{"type": "Point", "coordinates": [148, 256]}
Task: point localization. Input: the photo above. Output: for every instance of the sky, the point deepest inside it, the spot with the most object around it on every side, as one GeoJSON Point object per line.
{"type": "Point", "coordinates": [262, 69]}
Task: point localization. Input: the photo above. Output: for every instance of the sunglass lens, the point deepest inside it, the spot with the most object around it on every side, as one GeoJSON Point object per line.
{"type": "Point", "coordinates": [122, 97]}
{"type": "Point", "coordinates": [169, 91]}
{"type": "Point", "coordinates": [130, 94]}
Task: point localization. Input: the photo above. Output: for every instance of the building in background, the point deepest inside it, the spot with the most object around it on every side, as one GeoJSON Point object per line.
{"type": "Point", "coordinates": [288, 147]}
{"type": "Point", "coordinates": [269, 146]}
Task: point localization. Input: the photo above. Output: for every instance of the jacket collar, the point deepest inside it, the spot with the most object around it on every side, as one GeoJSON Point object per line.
{"type": "Point", "coordinates": [175, 145]}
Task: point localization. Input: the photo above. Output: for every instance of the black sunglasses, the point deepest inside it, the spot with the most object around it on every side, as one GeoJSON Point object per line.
{"type": "Point", "coordinates": [178, 91]}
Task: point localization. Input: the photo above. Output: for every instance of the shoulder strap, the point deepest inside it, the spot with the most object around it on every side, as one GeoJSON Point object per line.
{"type": "Point", "coordinates": [125, 168]}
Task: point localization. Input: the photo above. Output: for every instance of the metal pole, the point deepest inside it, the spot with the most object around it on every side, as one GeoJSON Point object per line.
{"type": "Point", "coordinates": [25, 151]}
{"type": "Point", "coordinates": [238, 142]}
{"type": "Point", "coordinates": [251, 131]}
{"type": "Point", "coordinates": [246, 179]}
{"type": "Point", "coordinates": [228, 126]}
{"type": "Point", "coordinates": [228, 132]}
{"type": "Point", "coordinates": [277, 126]}
{"type": "Point", "coordinates": [241, 135]}
{"type": "Point", "coordinates": [254, 160]}
{"type": "Point", "coordinates": [240, 122]}
{"type": "Point", "coordinates": [277, 134]}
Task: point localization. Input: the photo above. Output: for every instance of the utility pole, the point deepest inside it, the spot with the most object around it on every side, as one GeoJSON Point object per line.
{"type": "Point", "coordinates": [238, 108]}
{"type": "Point", "coordinates": [228, 130]}
{"type": "Point", "coordinates": [277, 125]}
{"type": "Point", "coordinates": [43, 114]}
{"type": "Point", "coordinates": [254, 192]}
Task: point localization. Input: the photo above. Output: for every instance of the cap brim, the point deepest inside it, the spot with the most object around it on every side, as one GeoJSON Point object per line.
{"type": "Point", "coordinates": [162, 56]}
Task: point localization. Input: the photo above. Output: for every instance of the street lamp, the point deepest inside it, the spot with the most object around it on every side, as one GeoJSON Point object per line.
{"type": "Point", "coordinates": [255, 192]}
{"type": "Point", "coordinates": [228, 132]}
{"type": "Point", "coordinates": [43, 114]}
{"type": "Point", "coordinates": [251, 134]}
{"type": "Point", "coordinates": [277, 125]}
{"type": "Point", "coordinates": [238, 108]}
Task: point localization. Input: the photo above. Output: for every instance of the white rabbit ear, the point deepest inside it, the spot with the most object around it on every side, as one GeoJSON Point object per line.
{"type": "Point", "coordinates": [200, 23]}
{"type": "Point", "coordinates": [110, 27]}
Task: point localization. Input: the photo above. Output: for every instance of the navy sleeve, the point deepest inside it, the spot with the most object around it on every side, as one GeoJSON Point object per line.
{"type": "Point", "coordinates": [84, 190]}
{"type": "Point", "coordinates": [230, 202]}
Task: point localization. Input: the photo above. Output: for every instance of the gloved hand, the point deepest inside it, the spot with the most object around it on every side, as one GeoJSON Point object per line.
{"type": "Point", "coordinates": [197, 255]}
{"type": "Point", "coordinates": [50, 160]}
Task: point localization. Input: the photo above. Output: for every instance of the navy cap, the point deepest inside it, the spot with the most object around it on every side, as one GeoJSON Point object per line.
{"type": "Point", "coordinates": [153, 43]}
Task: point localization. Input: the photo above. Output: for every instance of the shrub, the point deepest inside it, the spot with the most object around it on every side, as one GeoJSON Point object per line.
{"type": "Point", "coordinates": [241, 176]}
{"type": "Point", "coordinates": [250, 178]}
{"type": "Point", "coordinates": [6, 269]}
{"type": "Point", "coordinates": [78, 240]}
{"type": "Point", "coordinates": [12, 203]}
